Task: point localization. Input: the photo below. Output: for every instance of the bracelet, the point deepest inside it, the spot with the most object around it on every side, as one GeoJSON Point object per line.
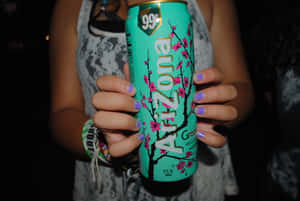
{"type": "Point", "coordinates": [90, 139]}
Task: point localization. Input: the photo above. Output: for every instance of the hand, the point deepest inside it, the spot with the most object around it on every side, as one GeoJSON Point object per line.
{"type": "Point", "coordinates": [114, 103]}
{"type": "Point", "coordinates": [211, 108]}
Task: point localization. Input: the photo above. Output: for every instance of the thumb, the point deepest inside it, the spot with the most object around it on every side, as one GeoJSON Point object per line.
{"type": "Point", "coordinates": [126, 71]}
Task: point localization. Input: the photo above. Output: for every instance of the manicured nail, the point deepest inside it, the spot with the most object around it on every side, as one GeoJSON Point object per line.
{"type": "Point", "coordinates": [199, 77]}
{"type": "Point", "coordinates": [137, 105]}
{"type": "Point", "coordinates": [199, 96]}
{"type": "Point", "coordinates": [130, 88]}
{"type": "Point", "coordinates": [141, 137]}
{"type": "Point", "coordinates": [138, 124]}
{"type": "Point", "coordinates": [200, 135]}
{"type": "Point", "coordinates": [200, 110]}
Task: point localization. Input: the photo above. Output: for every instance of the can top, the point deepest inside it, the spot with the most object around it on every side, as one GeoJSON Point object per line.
{"type": "Point", "coordinates": [132, 3]}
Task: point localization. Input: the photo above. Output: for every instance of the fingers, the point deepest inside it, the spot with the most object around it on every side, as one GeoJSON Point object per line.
{"type": "Point", "coordinates": [110, 101]}
{"type": "Point", "coordinates": [209, 75]}
{"type": "Point", "coordinates": [113, 83]}
{"type": "Point", "coordinates": [126, 145]}
{"type": "Point", "coordinates": [216, 94]}
{"type": "Point", "coordinates": [116, 121]}
{"type": "Point", "coordinates": [217, 112]}
{"type": "Point", "coordinates": [209, 136]}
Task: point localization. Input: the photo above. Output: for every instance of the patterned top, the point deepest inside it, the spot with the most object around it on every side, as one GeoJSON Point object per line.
{"type": "Point", "coordinates": [106, 54]}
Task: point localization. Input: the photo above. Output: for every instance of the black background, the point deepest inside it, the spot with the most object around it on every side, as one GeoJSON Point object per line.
{"type": "Point", "coordinates": [41, 170]}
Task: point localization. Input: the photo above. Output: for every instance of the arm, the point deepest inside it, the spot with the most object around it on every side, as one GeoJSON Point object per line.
{"type": "Point", "coordinates": [229, 56]}
{"type": "Point", "coordinates": [226, 95]}
{"type": "Point", "coordinates": [67, 116]}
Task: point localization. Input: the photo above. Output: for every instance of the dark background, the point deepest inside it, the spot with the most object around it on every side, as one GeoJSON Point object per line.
{"type": "Point", "coordinates": [43, 170]}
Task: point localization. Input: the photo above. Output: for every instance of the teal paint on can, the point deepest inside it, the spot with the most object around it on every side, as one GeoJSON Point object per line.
{"type": "Point", "coordinates": [161, 58]}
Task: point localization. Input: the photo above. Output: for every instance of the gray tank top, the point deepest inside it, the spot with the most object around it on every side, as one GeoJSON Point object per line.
{"type": "Point", "coordinates": [105, 54]}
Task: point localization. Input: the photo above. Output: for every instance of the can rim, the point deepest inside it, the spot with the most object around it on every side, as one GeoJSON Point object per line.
{"type": "Point", "coordinates": [157, 1]}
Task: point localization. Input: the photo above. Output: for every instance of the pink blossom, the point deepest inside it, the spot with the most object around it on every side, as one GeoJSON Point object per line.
{"type": "Point", "coordinates": [181, 92]}
{"type": "Point", "coordinates": [185, 54]}
{"type": "Point", "coordinates": [177, 80]}
{"type": "Point", "coordinates": [148, 137]}
{"type": "Point", "coordinates": [172, 34]}
{"type": "Point", "coordinates": [146, 79]}
{"type": "Point", "coordinates": [167, 106]}
{"type": "Point", "coordinates": [146, 144]}
{"type": "Point", "coordinates": [144, 97]}
{"type": "Point", "coordinates": [190, 163]}
{"type": "Point", "coordinates": [186, 82]}
{"type": "Point", "coordinates": [185, 43]}
{"type": "Point", "coordinates": [173, 28]}
{"type": "Point", "coordinates": [180, 165]}
{"type": "Point", "coordinates": [144, 123]}
{"type": "Point", "coordinates": [191, 43]}
{"type": "Point", "coordinates": [188, 64]}
{"type": "Point", "coordinates": [193, 104]}
{"type": "Point", "coordinates": [176, 46]}
{"type": "Point", "coordinates": [155, 126]}
{"type": "Point", "coordinates": [182, 171]}
{"type": "Point", "coordinates": [172, 119]}
{"type": "Point", "coordinates": [188, 154]}
{"type": "Point", "coordinates": [152, 87]}
{"type": "Point", "coordinates": [144, 104]}
{"type": "Point", "coordinates": [145, 62]}
{"type": "Point", "coordinates": [149, 99]}
{"type": "Point", "coordinates": [162, 151]}
{"type": "Point", "coordinates": [150, 71]}
{"type": "Point", "coordinates": [179, 65]}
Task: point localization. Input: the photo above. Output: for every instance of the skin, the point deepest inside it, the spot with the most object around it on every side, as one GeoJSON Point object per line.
{"type": "Point", "coordinates": [226, 87]}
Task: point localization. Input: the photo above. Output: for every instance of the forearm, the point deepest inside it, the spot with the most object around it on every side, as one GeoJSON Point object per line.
{"type": "Point", "coordinates": [66, 126]}
{"type": "Point", "coordinates": [244, 102]}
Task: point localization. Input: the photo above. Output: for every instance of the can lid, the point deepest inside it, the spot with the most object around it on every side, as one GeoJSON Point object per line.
{"type": "Point", "coordinates": [132, 3]}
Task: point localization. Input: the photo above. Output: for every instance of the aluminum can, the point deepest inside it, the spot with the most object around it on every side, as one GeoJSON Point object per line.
{"type": "Point", "coordinates": [161, 59]}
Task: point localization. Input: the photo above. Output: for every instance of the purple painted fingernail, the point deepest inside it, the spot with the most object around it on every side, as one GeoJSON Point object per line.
{"type": "Point", "coordinates": [141, 137]}
{"type": "Point", "coordinates": [199, 77]}
{"type": "Point", "coordinates": [200, 110]}
{"type": "Point", "coordinates": [199, 96]}
{"type": "Point", "coordinates": [200, 135]}
{"type": "Point", "coordinates": [138, 124]}
{"type": "Point", "coordinates": [130, 88]}
{"type": "Point", "coordinates": [137, 105]}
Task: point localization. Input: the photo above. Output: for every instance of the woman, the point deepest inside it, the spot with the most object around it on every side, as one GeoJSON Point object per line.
{"type": "Point", "coordinates": [90, 80]}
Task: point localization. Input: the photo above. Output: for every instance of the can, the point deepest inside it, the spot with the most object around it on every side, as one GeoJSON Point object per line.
{"type": "Point", "coordinates": [161, 59]}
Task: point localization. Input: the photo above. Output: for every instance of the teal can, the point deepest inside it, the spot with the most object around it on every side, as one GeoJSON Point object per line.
{"type": "Point", "coordinates": [161, 59]}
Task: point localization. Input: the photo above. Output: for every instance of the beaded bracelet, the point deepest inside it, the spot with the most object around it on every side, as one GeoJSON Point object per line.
{"type": "Point", "coordinates": [90, 140]}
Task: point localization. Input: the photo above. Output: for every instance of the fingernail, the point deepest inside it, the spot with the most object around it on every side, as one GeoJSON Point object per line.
{"type": "Point", "coordinates": [200, 110]}
{"type": "Point", "coordinates": [138, 124]}
{"type": "Point", "coordinates": [199, 96]}
{"type": "Point", "coordinates": [141, 137]}
{"type": "Point", "coordinates": [137, 105]}
{"type": "Point", "coordinates": [200, 135]}
{"type": "Point", "coordinates": [199, 77]}
{"type": "Point", "coordinates": [130, 88]}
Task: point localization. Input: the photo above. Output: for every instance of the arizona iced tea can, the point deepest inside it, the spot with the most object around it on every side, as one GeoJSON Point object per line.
{"type": "Point", "coordinates": [160, 47]}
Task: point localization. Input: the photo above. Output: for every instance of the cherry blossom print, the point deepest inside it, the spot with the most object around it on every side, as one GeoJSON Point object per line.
{"type": "Point", "coordinates": [172, 35]}
{"type": "Point", "coordinates": [189, 164]}
{"type": "Point", "coordinates": [150, 100]}
{"type": "Point", "coordinates": [185, 42]}
{"type": "Point", "coordinates": [152, 87]}
{"type": "Point", "coordinates": [188, 154]}
{"type": "Point", "coordinates": [146, 79]}
{"type": "Point", "coordinates": [176, 46]}
{"type": "Point", "coordinates": [154, 126]}
{"type": "Point", "coordinates": [181, 92]}
{"type": "Point", "coordinates": [144, 104]}
{"type": "Point", "coordinates": [166, 106]}
{"type": "Point", "coordinates": [180, 165]}
{"type": "Point", "coordinates": [146, 62]}
{"type": "Point", "coordinates": [177, 80]}
{"type": "Point", "coordinates": [162, 151]}
{"type": "Point", "coordinates": [193, 104]}
{"type": "Point", "coordinates": [185, 54]}
{"type": "Point", "coordinates": [188, 64]}
{"type": "Point", "coordinates": [185, 82]}
{"type": "Point", "coordinates": [179, 65]}
{"type": "Point", "coordinates": [173, 28]}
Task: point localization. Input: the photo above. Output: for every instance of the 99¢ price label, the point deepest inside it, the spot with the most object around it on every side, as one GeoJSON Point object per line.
{"type": "Point", "coordinates": [149, 18]}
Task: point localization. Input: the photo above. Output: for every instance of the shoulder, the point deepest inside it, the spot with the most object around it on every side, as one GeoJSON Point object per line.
{"type": "Point", "coordinates": [207, 10]}
{"type": "Point", "coordinates": [66, 13]}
